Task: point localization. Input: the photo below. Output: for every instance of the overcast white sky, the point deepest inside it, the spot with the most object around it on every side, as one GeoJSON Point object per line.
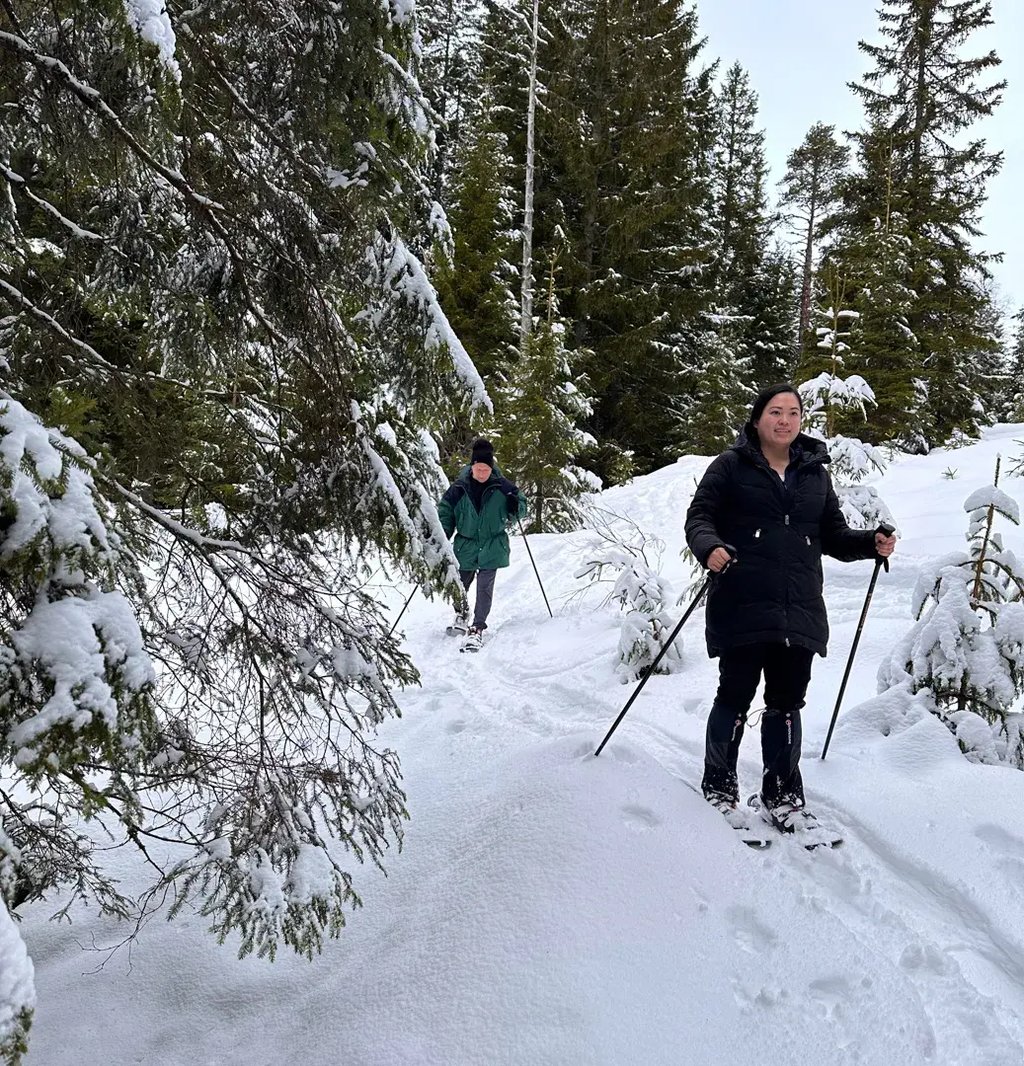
{"type": "Point", "coordinates": [801, 53]}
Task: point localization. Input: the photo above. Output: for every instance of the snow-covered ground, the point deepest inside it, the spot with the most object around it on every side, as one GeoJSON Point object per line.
{"type": "Point", "coordinates": [553, 908]}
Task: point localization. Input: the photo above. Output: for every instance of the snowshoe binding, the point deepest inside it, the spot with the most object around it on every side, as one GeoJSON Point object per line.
{"type": "Point", "coordinates": [474, 639]}
{"type": "Point", "coordinates": [793, 819]}
{"type": "Point", "coordinates": [459, 626]}
{"type": "Point", "coordinates": [750, 831]}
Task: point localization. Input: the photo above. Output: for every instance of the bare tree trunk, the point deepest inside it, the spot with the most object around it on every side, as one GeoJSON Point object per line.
{"type": "Point", "coordinates": [527, 277]}
{"type": "Point", "coordinates": [805, 288]}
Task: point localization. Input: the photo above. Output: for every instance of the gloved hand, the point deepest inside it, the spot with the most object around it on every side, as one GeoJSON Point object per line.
{"type": "Point", "coordinates": [506, 486]}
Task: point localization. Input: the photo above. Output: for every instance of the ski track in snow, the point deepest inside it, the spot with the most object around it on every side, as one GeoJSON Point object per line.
{"type": "Point", "coordinates": [864, 886]}
{"type": "Point", "coordinates": [950, 951]}
{"type": "Point", "coordinates": [905, 946]}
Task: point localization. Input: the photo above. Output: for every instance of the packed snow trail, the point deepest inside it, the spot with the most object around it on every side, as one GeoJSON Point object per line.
{"type": "Point", "coordinates": [550, 908]}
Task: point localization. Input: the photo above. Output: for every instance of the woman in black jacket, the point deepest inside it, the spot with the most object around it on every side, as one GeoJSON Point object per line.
{"type": "Point", "coordinates": [768, 504]}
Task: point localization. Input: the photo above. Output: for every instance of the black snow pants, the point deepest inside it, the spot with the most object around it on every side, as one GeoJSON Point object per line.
{"type": "Point", "coordinates": [787, 672]}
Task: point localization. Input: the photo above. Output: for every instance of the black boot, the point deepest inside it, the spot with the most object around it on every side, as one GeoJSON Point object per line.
{"type": "Point", "coordinates": [724, 733]}
{"type": "Point", "coordinates": [780, 748]}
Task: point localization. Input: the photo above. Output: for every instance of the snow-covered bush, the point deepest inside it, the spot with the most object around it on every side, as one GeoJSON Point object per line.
{"type": "Point", "coordinates": [640, 591]}
{"type": "Point", "coordinates": [967, 648]}
{"type": "Point", "coordinates": [76, 716]}
{"type": "Point", "coordinates": [852, 459]}
{"type": "Point", "coordinates": [17, 991]}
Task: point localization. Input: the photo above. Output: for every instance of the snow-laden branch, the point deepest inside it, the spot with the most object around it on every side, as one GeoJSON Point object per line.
{"type": "Point", "coordinates": [96, 364]}
{"type": "Point", "coordinates": [149, 17]}
{"type": "Point", "coordinates": [205, 207]}
{"type": "Point", "coordinates": [93, 357]}
{"type": "Point", "coordinates": [76, 230]}
{"type": "Point", "coordinates": [403, 272]}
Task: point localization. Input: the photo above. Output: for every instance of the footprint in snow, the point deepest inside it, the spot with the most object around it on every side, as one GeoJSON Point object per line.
{"type": "Point", "coordinates": [1009, 851]}
{"type": "Point", "coordinates": [750, 932]}
{"type": "Point", "coordinates": [637, 817]}
{"type": "Point", "coordinates": [926, 957]}
{"type": "Point", "coordinates": [1000, 840]}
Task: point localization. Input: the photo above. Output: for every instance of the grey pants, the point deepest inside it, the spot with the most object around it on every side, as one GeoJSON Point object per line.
{"type": "Point", "coordinates": [484, 593]}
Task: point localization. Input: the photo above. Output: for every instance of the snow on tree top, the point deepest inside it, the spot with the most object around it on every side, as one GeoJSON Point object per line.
{"type": "Point", "coordinates": [991, 496]}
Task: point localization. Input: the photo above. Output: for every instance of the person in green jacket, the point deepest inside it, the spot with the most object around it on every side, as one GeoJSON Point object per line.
{"type": "Point", "coordinates": [478, 508]}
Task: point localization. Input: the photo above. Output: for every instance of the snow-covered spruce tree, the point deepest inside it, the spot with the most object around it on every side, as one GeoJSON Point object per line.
{"type": "Point", "coordinates": [619, 554]}
{"type": "Point", "coordinates": [76, 685]}
{"type": "Point", "coordinates": [967, 648]}
{"type": "Point", "coordinates": [448, 74]}
{"type": "Point", "coordinates": [1014, 407]}
{"type": "Point", "coordinates": [754, 283]}
{"type": "Point", "coordinates": [852, 459]}
{"type": "Point", "coordinates": [212, 272]}
{"type": "Point", "coordinates": [539, 413]}
{"type": "Point", "coordinates": [865, 269]}
{"type": "Point", "coordinates": [622, 131]}
{"type": "Point", "coordinates": [928, 85]}
{"type": "Point", "coordinates": [476, 281]}
{"type": "Point", "coordinates": [830, 395]}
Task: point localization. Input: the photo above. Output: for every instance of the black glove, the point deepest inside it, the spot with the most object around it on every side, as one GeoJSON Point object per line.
{"type": "Point", "coordinates": [506, 486]}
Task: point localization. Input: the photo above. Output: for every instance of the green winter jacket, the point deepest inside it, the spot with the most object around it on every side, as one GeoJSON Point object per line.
{"type": "Point", "coordinates": [481, 542]}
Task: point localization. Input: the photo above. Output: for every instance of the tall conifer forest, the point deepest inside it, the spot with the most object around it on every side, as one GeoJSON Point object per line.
{"type": "Point", "coordinates": [266, 270]}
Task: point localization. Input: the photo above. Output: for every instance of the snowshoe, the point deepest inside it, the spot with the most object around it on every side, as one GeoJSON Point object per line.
{"type": "Point", "coordinates": [792, 819]}
{"type": "Point", "coordinates": [474, 639]}
{"type": "Point", "coordinates": [459, 626]}
{"type": "Point", "coordinates": [751, 833]}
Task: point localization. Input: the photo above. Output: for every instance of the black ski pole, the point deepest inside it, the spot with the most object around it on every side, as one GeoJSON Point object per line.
{"type": "Point", "coordinates": [888, 530]}
{"type": "Point", "coordinates": [539, 582]}
{"type": "Point", "coordinates": [664, 649]}
{"type": "Point", "coordinates": [402, 611]}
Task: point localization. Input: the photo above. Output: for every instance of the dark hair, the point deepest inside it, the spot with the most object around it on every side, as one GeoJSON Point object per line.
{"type": "Point", "coordinates": [765, 396]}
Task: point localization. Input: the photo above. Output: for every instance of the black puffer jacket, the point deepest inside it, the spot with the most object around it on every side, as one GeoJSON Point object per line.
{"type": "Point", "coordinates": [773, 590]}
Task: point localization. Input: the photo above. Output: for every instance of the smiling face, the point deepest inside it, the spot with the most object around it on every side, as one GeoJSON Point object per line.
{"type": "Point", "coordinates": [779, 425]}
{"type": "Point", "coordinates": [480, 471]}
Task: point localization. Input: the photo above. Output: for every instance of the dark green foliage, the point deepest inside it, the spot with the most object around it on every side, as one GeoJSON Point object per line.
{"type": "Point", "coordinates": [920, 191]}
{"type": "Point", "coordinates": [770, 299]}
{"type": "Point", "coordinates": [624, 178]}
{"type": "Point", "coordinates": [538, 419]}
{"type": "Point", "coordinates": [212, 273]}
{"type": "Point", "coordinates": [740, 195]}
{"type": "Point", "coordinates": [809, 191]}
{"type": "Point", "coordinates": [476, 282]}
{"type": "Point", "coordinates": [866, 268]}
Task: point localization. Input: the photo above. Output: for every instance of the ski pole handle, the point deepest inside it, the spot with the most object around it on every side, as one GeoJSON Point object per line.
{"type": "Point", "coordinates": [730, 551]}
{"type": "Point", "coordinates": [886, 530]}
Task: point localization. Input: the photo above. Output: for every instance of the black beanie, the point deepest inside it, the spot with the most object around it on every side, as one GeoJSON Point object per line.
{"type": "Point", "coordinates": [483, 452]}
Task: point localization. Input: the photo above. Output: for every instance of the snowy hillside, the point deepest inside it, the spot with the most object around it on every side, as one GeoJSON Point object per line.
{"type": "Point", "coordinates": [552, 909]}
